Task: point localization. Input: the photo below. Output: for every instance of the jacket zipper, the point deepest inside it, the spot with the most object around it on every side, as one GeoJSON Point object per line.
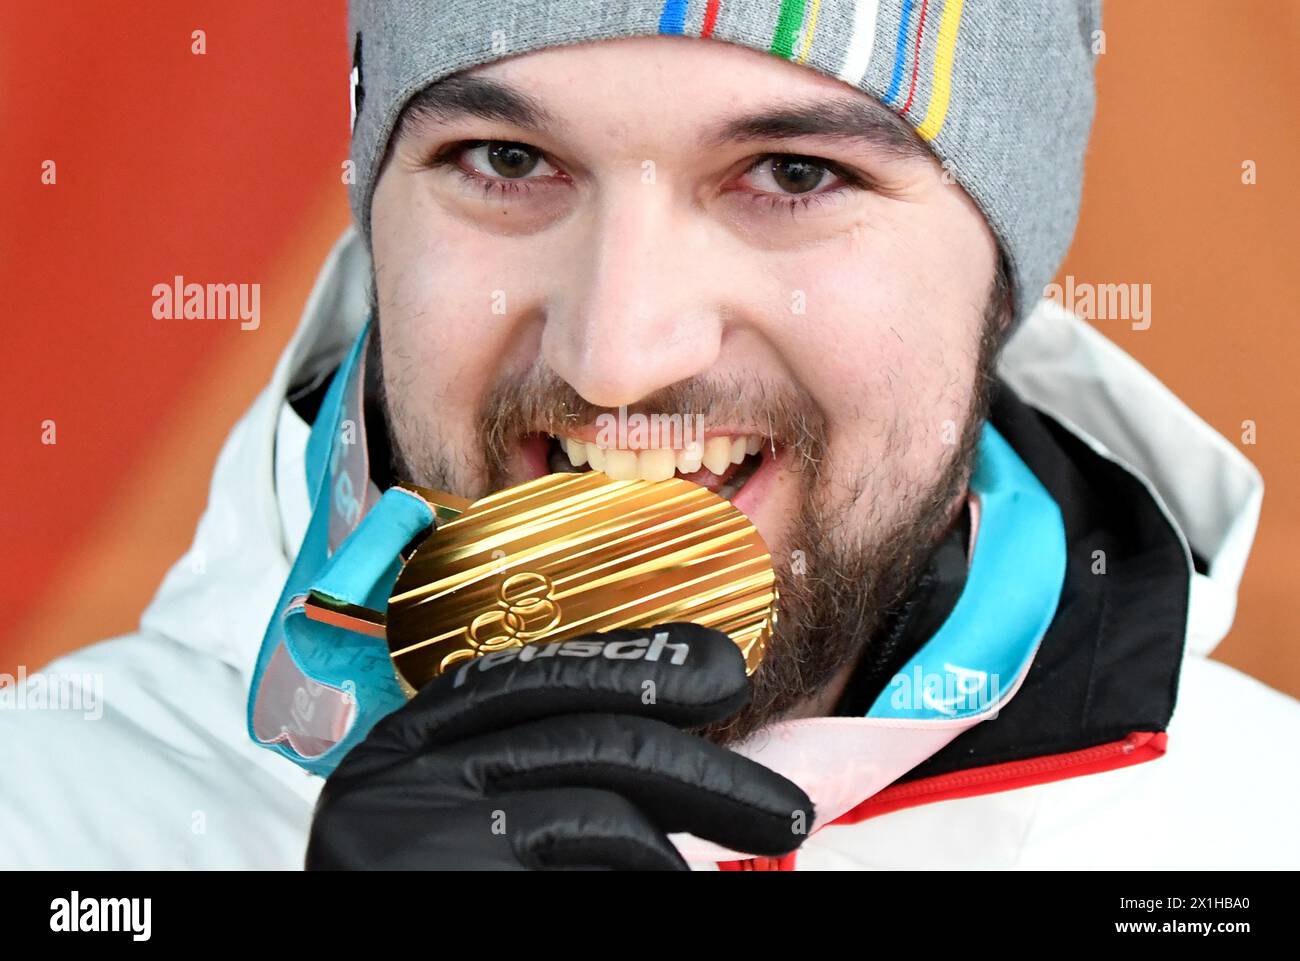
{"type": "Point", "coordinates": [1136, 748]}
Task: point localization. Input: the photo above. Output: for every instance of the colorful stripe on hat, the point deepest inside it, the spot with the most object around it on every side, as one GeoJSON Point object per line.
{"type": "Point", "coordinates": [916, 57]}
{"type": "Point", "coordinates": [941, 85]}
{"type": "Point", "coordinates": [710, 18]}
{"type": "Point", "coordinates": [900, 55]}
{"type": "Point", "coordinates": [788, 21]}
{"type": "Point", "coordinates": [810, 32]}
{"type": "Point", "coordinates": [861, 42]}
{"type": "Point", "coordinates": [790, 33]}
{"type": "Point", "coordinates": [672, 19]}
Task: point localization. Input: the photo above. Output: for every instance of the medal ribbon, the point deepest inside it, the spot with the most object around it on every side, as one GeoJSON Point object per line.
{"type": "Point", "coordinates": [318, 689]}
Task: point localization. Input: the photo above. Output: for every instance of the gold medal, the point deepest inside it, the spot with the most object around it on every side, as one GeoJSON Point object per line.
{"type": "Point", "coordinates": [567, 555]}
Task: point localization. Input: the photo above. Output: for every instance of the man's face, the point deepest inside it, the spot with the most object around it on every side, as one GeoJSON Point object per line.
{"type": "Point", "coordinates": [693, 228]}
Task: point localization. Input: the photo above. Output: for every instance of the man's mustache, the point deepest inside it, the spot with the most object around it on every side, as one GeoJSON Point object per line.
{"type": "Point", "coordinates": [542, 401]}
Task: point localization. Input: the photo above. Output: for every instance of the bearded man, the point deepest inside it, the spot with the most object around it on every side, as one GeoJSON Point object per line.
{"type": "Point", "coordinates": [822, 230]}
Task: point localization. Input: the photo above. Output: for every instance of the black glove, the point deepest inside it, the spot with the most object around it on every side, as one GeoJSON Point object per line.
{"type": "Point", "coordinates": [560, 755]}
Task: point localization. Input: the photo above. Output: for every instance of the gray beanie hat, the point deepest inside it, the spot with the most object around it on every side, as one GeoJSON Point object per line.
{"type": "Point", "coordinates": [1001, 90]}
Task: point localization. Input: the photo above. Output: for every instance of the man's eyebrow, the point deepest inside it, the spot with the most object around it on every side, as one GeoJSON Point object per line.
{"type": "Point", "coordinates": [855, 120]}
{"type": "Point", "coordinates": [851, 119]}
{"type": "Point", "coordinates": [458, 97]}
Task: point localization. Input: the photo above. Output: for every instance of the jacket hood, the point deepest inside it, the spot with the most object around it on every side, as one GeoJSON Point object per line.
{"type": "Point", "coordinates": [218, 596]}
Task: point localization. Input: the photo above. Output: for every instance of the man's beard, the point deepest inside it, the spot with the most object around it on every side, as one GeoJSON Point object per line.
{"type": "Point", "coordinates": [838, 600]}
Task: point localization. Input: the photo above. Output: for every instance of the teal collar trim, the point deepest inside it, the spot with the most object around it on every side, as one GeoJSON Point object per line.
{"type": "Point", "coordinates": [1017, 568]}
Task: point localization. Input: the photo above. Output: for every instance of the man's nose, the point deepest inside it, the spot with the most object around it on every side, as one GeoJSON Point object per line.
{"type": "Point", "coordinates": [643, 308]}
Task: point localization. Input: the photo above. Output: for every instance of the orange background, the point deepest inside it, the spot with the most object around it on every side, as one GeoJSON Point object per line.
{"type": "Point", "coordinates": [226, 167]}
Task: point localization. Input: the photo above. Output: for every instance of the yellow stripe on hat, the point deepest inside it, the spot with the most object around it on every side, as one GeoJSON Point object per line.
{"type": "Point", "coordinates": [941, 86]}
{"type": "Point", "coordinates": [808, 33]}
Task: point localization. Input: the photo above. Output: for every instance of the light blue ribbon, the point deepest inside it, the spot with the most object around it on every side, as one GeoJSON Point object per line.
{"type": "Point", "coordinates": [1010, 596]}
{"type": "Point", "coordinates": [361, 571]}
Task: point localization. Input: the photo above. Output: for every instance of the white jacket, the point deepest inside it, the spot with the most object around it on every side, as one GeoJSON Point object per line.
{"type": "Point", "coordinates": [162, 773]}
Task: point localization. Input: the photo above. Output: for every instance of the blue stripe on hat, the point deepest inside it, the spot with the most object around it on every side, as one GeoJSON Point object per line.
{"type": "Point", "coordinates": [673, 18]}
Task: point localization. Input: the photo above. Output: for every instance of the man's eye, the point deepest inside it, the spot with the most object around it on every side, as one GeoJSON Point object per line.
{"type": "Point", "coordinates": [791, 175]}
{"type": "Point", "coordinates": [504, 159]}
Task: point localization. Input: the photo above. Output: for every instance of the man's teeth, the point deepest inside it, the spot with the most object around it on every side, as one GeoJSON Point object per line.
{"type": "Point", "coordinates": [653, 464]}
{"type": "Point", "coordinates": [576, 450]}
{"type": "Point", "coordinates": [716, 454]}
{"type": "Point", "coordinates": [689, 460]}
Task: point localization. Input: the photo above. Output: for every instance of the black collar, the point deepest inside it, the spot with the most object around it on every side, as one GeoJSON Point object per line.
{"type": "Point", "coordinates": [1109, 663]}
